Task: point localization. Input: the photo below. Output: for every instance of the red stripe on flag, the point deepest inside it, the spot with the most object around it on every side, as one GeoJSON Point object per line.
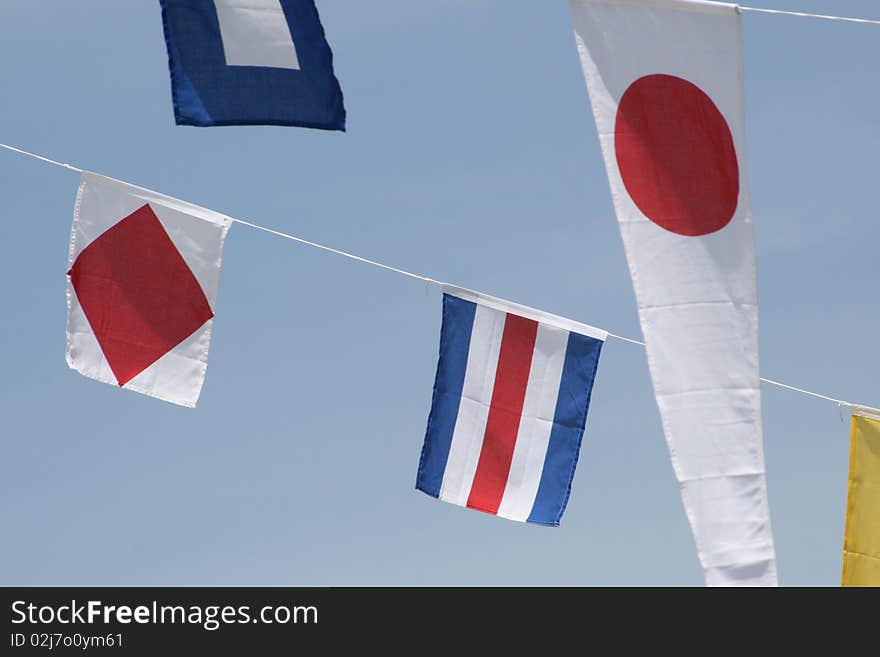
{"type": "Point", "coordinates": [505, 412]}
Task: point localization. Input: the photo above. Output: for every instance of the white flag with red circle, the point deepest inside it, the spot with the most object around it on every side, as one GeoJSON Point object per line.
{"type": "Point", "coordinates": [142, 286]}
{"type": "Point", "coordinates": [665, 79]}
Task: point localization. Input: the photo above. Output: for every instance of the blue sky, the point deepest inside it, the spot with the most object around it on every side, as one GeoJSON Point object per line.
{"type": "Point", "coordinates": [471, 156]}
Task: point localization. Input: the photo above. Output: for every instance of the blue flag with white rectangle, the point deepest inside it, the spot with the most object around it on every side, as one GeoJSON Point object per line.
{"type": "Point", "coordinates": [251, 62]}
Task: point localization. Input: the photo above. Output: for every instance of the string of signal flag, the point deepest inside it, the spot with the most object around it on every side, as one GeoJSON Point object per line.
{"type": "Point", "coordinates": [426, 279]}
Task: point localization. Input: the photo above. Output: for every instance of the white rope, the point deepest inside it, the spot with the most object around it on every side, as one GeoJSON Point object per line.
{"type": "Point", "coordinates": [40, 157]}
{"type": "Point", "coordinates": [403, 272]}
{"type": "Point", "coordinates": [800, 14]}
{"type": "Point", "coordinates": [337, 251]}
{"type": "Point", "coordinates": [839, 402]}
{"type": "Point", "coordinates": [623, 339]}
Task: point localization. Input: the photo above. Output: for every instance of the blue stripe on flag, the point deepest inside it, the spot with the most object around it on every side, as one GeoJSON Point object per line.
{"type": "Point", "coordinates": [455, 340]}
{"type": "Point", "coordinates": [578, 374]}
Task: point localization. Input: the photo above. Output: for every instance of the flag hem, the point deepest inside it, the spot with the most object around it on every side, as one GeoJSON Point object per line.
{"type": "Point", "coordinates": [528, 312]}
{"type": "Point", "coordinates": [693, 5]}
{"type": "Point", "coordinates": [866, 412]}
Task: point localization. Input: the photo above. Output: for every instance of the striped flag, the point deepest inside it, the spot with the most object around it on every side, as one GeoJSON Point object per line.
{"type": "Point", "coordinates": [510, 403]}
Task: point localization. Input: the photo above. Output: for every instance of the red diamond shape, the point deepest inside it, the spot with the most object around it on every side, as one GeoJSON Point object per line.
{"type": "Point", "coordinates": [138, 293]}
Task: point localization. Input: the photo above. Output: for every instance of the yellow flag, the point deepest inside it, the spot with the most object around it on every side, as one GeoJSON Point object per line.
{"type": "Point", "coordinates": [861, 543]}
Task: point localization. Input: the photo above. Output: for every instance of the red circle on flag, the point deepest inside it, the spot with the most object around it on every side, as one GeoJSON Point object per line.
{"type": "Point", "coordinates": [676, 155]}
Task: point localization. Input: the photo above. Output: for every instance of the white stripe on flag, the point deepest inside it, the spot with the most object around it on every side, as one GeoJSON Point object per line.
{"type": "Point", "coordinates": [255, 33]}
{"type": "Point", "coordinates": [539, 408]}
{"type": "Point", "coordinates": [473, 411]}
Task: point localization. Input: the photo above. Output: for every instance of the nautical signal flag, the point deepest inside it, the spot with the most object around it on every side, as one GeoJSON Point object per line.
{"type": "Point", "coordinates": [861, 542]}
{"type": "Point", "coordinates": [247, 62]}
{"type": "Point", "coordinates": [665, 79]}
{"type": "Point", "coordinates": [142, 286]}
{"type": "Point", "coordinates": [510, 403]}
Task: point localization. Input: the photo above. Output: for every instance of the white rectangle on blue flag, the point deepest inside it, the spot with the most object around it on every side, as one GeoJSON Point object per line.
{"type": "Point", "coordinates": [510, 404]}
{"type": "Point", "coordinates": [251, 62]}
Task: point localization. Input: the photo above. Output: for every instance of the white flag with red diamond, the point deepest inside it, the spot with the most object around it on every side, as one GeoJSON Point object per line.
{"type": "Point", "coordinates": [142, 286]}
{"type": "Point", "coordinates": [665, 79]}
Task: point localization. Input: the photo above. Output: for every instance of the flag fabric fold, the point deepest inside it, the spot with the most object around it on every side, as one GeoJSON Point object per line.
{"type": "Point", "coordinates": [144, 271]}
{"type": "Point", "coordinates": [665, 80]}
{"type": "Point", "coordinates": [251, 62]}
{"type": "Point", "coordinates": [510, 404]}
{"type": "Point", "coordinates": [861, 543]}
